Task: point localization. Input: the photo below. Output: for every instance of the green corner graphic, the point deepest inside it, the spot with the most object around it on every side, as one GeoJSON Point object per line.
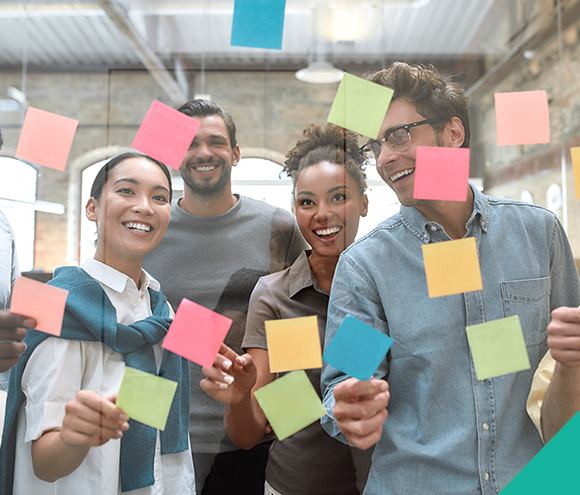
{"type": "Point", "coordinates": [554, 469]}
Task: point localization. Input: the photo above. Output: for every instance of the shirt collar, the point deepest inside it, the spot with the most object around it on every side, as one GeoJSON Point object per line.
{"type": "Point", "coordinates": [300, 276]}
{"type": "Point", "coordinates": [419, 225]}
{"type": "Point", "coordinates": [116, 280]}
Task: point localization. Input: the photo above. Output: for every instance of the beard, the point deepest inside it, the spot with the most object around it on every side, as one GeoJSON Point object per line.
{"type": "Point", "coordinates": [203, 187]}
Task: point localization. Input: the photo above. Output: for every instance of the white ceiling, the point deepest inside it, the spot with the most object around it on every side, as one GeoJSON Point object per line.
{"type": "Point", "coordinates": [79, 34]}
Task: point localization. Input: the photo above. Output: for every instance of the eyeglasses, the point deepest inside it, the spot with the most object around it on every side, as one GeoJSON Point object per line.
{"type": "Point", "coordinates": [399, 140]}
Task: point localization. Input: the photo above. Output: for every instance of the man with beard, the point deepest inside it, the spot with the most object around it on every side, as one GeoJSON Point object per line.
{"type": "Point", "coordinates": [217, 246]}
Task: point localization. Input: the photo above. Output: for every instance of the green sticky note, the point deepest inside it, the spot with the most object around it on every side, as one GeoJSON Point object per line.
{"type": "Point", "coordinates": [360, 105]}
{"type": "Point", "coordinates": [145, 397]}
{"type": "Point", "coordinates": [290, 403]}
{"type": "Point", "coordinates": [498, 347]}
{"type": "Point", "coordinates": [554, 469]}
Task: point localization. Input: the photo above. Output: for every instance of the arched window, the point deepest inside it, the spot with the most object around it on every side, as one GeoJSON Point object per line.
{"type": "Point", "coordinates": [17, 198]}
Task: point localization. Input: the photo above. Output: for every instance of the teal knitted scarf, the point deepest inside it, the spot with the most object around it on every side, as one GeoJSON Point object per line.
{"type": "Point", "coordinates": [90, 316]}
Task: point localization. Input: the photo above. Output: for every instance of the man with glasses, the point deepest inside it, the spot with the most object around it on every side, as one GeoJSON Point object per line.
{"type": "Point", "coordinates": [446, 431]}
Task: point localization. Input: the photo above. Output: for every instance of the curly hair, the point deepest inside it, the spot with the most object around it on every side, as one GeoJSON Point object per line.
{"type": "Point", "coordinates": [433, 95]}
{"type": "Point", "coordinates": [331, 144]}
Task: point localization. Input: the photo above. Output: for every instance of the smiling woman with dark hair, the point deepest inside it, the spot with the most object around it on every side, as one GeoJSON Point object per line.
{"type": "Point", "coordinates": [63, 431]}
{"type": "Point", "coordinates": [329, 200]}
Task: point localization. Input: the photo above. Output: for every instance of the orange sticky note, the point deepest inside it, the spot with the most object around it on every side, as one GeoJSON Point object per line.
{"type": "Point", "coordinates": [293, 344]}
{"type": "Point", "coordinates": [522, 117]}
{"type": "Point", "coordinates": [575, 153]}
{"type": "Point", "coordinates": [46, 138]}
{"type": "Point", "coordinates": [452, 267]}
{"type": "Point", "coordinates": [441, 174]}
{"type": "Point", "coordinates": [165, 134]}
{"type": "Point", "coordinates": [42, 302]}
{"type": "Point", "coordinates": [196, 333]}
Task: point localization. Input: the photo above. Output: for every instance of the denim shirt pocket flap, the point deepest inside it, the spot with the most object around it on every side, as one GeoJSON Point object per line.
{"type": "Point", "coordinates": [530, 300]}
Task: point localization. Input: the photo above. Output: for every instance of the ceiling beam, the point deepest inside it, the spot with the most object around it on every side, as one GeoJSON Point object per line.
{"type": "Point", "coordinates": [118, 15]}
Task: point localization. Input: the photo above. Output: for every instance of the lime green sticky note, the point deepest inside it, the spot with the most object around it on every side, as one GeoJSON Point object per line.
{"type": "Point", "coordinates": [290, 403]}
{"type": "Point", "coordinates": [145, 397]}
{"type": "Point", "coordinates": [498, 347]}
{"type": "Point", "coordinates": [360, 105]}
{"type": "Point", "coordinates": [554, 469]}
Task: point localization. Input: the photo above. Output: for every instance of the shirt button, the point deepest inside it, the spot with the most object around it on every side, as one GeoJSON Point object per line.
{"type": "Point", "coordinates": [482, 224]}
{"type": "Point", "coordinates": [136, 302]}
{"type": "Point", "coordinates": [433, 228]}
{"type": "Point", "coordinates": [485, 426]}
{"type": "Point", "coordinates": [425, 236]}
{"type": "Point", "coordinates": [486, 476]}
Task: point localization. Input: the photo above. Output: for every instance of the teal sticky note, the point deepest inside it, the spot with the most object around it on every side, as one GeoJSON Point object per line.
{"type": "Point", "coordinates": [290, 403]}
{"type": "Point", "coordinates": [360, 105]}
{"type": "Point", "coordinates": [145, 397]}
{"type": "Point", "coordinates": [554, 468]}
{"type": "Point", "coordinates": [258, 23]}
{"type": "Point", "coordinates": [357, 349]}
{"type": "Point", "coordinates": [498, 347]}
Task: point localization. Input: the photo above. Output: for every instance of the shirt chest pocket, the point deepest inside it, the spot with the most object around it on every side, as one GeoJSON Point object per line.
{"type": "Point", "coordinates": [530, 300]}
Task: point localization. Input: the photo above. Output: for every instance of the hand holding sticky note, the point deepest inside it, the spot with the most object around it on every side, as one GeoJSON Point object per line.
{"type": "Point", "coordinates": [522, 117]}
{"type": "Point", "coordinates": [196, 333]}
{"type": "Point", "coordinates": [357, 349]}
{"type": "Point", "coordinates": [165, 134]}
{"type": "Point", "coordinates": [360, 106]}
{"type": "Point", "coordinates": [441, 174]}
{"type": "Point", "coordinates": [258, 23]}
{"type": "Point", "coordinates": [44, 303]}
{"type": "Point", "coordinates": [290, 403]}
{"type": "Point", "coordinates": [46, 138]}
{"type": "Point", "coordinates": [293, 344]}
{"type": "Point", "coordinates": [145, 397]}
{"type": "Point", "coordinates": [498, 347]}
{"type": "Point", "coordinates": [452, 267]}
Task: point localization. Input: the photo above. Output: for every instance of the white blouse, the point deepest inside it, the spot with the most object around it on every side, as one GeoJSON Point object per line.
{"type": "Point", "coordinates": [58, 369]}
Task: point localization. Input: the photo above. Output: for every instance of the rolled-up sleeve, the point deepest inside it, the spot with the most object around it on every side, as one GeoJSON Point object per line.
{"type": "Point", "coordinates": [352, 293]}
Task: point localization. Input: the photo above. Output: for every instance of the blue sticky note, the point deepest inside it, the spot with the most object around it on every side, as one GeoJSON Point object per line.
{"type": "Point", "coordinates": [258, 23]}
{"type": "Point", "coordinates": [357, 349]}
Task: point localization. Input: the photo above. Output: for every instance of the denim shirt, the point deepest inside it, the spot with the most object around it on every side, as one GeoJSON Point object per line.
{"type": "Point", "coordinates": [447, 432]}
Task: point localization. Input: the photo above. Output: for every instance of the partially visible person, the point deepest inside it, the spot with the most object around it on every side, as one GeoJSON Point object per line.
{"type": "Point", "coordinates": [63, 432]}
{"type": "Point", "coordinates": [444, 431]}
{"type": "Point", "coordinates": [555, 394]}
{"type": "Point", "coordinates": [329, 200]}
{"type": "Point", "coordinates": [218, 244]}
{"type": "Point", "coordinates": [12, 327]}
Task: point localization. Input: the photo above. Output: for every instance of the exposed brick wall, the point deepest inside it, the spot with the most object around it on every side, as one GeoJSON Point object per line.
{"type": "Point", "coordinates": [270, 110]}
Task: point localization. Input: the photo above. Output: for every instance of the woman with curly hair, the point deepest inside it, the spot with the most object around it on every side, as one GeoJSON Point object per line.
{"type": "Point", "coordinates": [329, 199]}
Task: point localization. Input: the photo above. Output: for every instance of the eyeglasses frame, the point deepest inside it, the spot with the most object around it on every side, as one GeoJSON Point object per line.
{"type": "Point", "coordinates": [407, 127]}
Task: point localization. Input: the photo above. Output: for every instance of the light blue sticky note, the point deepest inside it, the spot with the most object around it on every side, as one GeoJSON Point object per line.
{"type": "Point", "coordinates": [357, 349]}
{"type": "Point", "coordinates": [258, 23]}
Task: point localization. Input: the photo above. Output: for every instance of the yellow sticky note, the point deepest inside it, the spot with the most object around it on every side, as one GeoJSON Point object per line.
{"type": "Point", "coordinates": [145, 397]}
{"type": "Point", "coordinates": [290, 403]}
{"type": "Point", "coordinates": [294, 344]}
{"type": "Point", "coordinates": [452, 267]}
{"type": "Point", "coordinates": [575, 152]}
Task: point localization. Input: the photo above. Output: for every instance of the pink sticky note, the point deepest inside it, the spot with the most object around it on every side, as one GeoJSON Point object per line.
{"type": "Point", "coordinates": [196, 333]}
{"type": "Point", "coordinates": [522, 117]}
{"type": "Point", "coordinates": [441, 173]}
{"type": "Point", "coordinates": [46, 138]}
{"type": "Point", "coordinates": [165, 134]}
{"type": "Point", "coordinates": [44, 303]}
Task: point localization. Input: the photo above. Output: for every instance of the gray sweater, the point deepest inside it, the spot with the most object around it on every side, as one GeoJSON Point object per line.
{"type": "Point", "coordinates": [216, 262]}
